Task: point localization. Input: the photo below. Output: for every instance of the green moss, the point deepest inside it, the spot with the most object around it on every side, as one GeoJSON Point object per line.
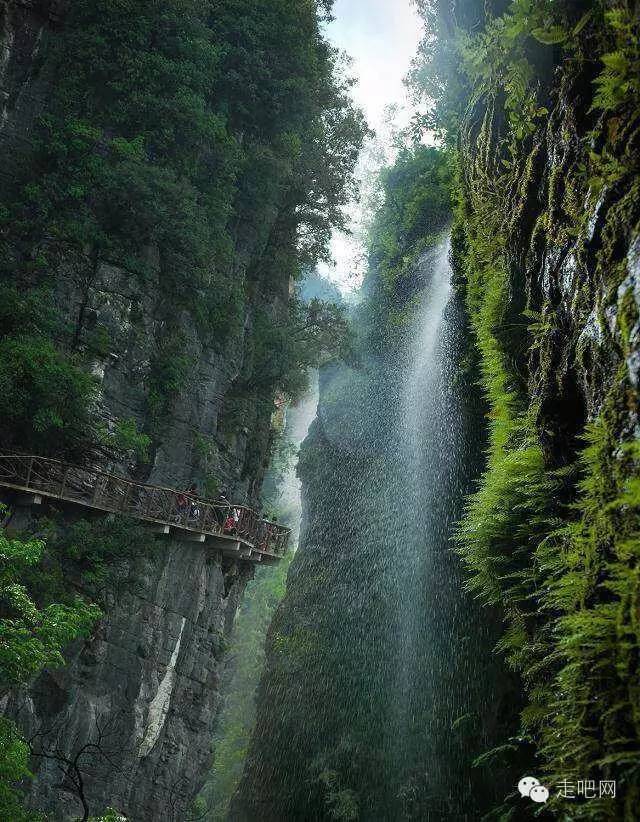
{"type": "Point", "coordinates": [557, 549]}
{"type": "Point", "coordinates": [627, 317]}
{"type": "Point", "coordinates": [592, 584]}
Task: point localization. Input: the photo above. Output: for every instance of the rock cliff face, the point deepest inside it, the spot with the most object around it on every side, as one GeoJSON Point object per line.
{"type": "Point", "coordinates": [132, 714]}
{"type": "Point", "coordinates": [128, 722]}
{"type": "Point", "coordinates": [135, 316]}
{"type": "Point", "coordinates": [379, 681]}
{"type": "Point", "coordinates": [571, 248]}
{"type": "Point", "coordinates": [547, 237]}
{"type": "Point", "coordinates": [21, 95]}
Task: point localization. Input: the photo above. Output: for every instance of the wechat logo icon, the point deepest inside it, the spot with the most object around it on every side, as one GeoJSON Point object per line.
{"type": "Point", "coordinates": [531, 787]}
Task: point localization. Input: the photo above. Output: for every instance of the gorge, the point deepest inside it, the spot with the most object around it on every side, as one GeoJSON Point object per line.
{"type": "Point", "coordinates": [461, 607]}
{"type": "Point", "coordinates": [376, 646]}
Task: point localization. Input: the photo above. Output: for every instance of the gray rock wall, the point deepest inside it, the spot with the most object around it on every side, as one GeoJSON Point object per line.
{"type": "Point", "coordinates": [132, 714]}
{"type": "Point", "coordinates": [195, 439]}
{"type": "Point", "coordinates": [23, 83]}
{"type": "Point", "coordinates": [135, 706]}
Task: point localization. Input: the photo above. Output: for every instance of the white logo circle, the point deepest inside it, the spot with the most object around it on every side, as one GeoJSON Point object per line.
{"type": "Point", "coordinates": [539, 793]}
{"type": "Point", "coordinates": [526, 784]}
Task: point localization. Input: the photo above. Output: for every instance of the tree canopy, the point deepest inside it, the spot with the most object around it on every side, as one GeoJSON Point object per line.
{"type": "Point", "coordinates": [208, 146]}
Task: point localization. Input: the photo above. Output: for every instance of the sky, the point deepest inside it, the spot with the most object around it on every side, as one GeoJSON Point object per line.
{"type": "Point", "coordinates": [381, 37]}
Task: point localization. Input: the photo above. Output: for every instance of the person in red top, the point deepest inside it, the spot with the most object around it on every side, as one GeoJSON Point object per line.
{"type": "Point", "coordinates": [182, 505]}
{"type": "Point", "coordinates": [185, 502]}
{"type": "Point", "coordinates": [229, 526]}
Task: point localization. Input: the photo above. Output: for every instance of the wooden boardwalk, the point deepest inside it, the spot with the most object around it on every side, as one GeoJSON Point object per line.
{"type": "Point", "coordinates": [166, 510]}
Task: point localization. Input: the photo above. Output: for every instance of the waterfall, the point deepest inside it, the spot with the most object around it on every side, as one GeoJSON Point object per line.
{"type": "Point", "coordinates": [419, 483]}
{"type": "Point", "coordinates": [381, 694]}
{"type": "Point", "coordinates": [287, 491]}
{"type": "Point", "coordinates": [423, 419]}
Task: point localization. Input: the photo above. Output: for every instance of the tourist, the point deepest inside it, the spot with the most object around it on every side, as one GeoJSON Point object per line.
{"type": "Point", "coordinates": [222, 508]}
{"type": "Point", "coordinates": [195, 508]}
{"type": "Point", "coordinates": [182, 505]}
{"type": "Point", "coordinates": [230, 524]}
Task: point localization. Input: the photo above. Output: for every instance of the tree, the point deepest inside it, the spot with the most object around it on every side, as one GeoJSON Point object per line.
{"type": "Point", "coordinates": [308, 336]}
{"type": "Point", "coordinates": [32, 637]}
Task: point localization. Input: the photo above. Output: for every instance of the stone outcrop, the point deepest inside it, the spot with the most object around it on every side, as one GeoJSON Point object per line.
{"type": "Point", "coordinates": [132, 713]}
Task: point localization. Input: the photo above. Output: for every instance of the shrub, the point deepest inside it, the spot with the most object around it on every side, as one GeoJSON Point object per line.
{"type": "Point", "coordinates": [45, 399]}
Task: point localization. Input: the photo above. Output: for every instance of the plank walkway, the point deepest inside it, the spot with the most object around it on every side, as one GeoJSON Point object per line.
{"type": "Point", "coordinates": [164, 509]}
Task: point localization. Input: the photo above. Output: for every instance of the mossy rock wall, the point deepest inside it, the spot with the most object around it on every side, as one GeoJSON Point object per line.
{"type": "Point", "coordinates": [549, 221]}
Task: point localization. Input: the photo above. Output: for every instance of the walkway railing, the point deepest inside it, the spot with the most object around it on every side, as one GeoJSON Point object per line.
{"type": "Point", "coordinates": [166, 506]}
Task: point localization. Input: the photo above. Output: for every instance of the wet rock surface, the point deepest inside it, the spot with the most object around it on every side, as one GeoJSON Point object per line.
{"type": "Point", "coordinates": [134, 708]}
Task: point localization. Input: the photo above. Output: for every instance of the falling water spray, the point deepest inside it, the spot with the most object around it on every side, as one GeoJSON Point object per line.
{"type": "Point", "coordinates": [377, 693]}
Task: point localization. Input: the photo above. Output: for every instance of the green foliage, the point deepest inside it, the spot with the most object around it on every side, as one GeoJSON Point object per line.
{"type": "Point", "coordinates": [282, 353]}
{"type": "Point", "coordinates": [553, 547]}
{"type": "Point", "coordinates": [126, 437]}
{"type": "Point", "coordinates": [92, 555]}
{"type": "Point", "coordinates": [506, 55]}
{"type": "Point", "coordinates": [417, 206]}
{"type": "Point", "coordinates": [128, 124]}
{"type": "Point", "coordinates": [45, 398]}
{"type": "Point", "coordinates": [415, 210]}
{"type": "Point", "coordinates": [514, 506]}
{"type": "Point", "coordinates": [32, 636]}
{"type": "Point", "coordinates": [171, 366]}
{"type": "Point", "coordinates": [503, 56]}
{"type": "Point", "coordinates": [563, 575]}
{"type": "Point", "coordinates": [14, 766]}
{"type": "Point", "coordinates": [619, 81]}
{"type": "Point", "coordinates": [205, 150]}
{"type": "Point", "coordinates": [591, 568]}
{"type": "Point", "coordinates": [31, 313]}
{"type": "Point", "coordinates": [46, 394]}
{"type": "Point", "coordinates": [34, 630]}
{"type": "Point", "coordinates": [435, 75]}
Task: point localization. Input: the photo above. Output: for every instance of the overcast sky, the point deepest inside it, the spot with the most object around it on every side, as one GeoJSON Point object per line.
{"type": "Point", "coordinates": [381, 37]}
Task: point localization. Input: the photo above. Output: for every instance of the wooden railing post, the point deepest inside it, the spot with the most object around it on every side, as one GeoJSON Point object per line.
{"type": "Point", "coordinates": [125, 497]}
{"type": "Point", "coordinates": [29, 471]}
{"type": "Point", "coordinates": [96, 488]}
{"type": "Point", "coordinates": [64, 480]}
{"type": "Point", "coordinates": [148, 507]}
